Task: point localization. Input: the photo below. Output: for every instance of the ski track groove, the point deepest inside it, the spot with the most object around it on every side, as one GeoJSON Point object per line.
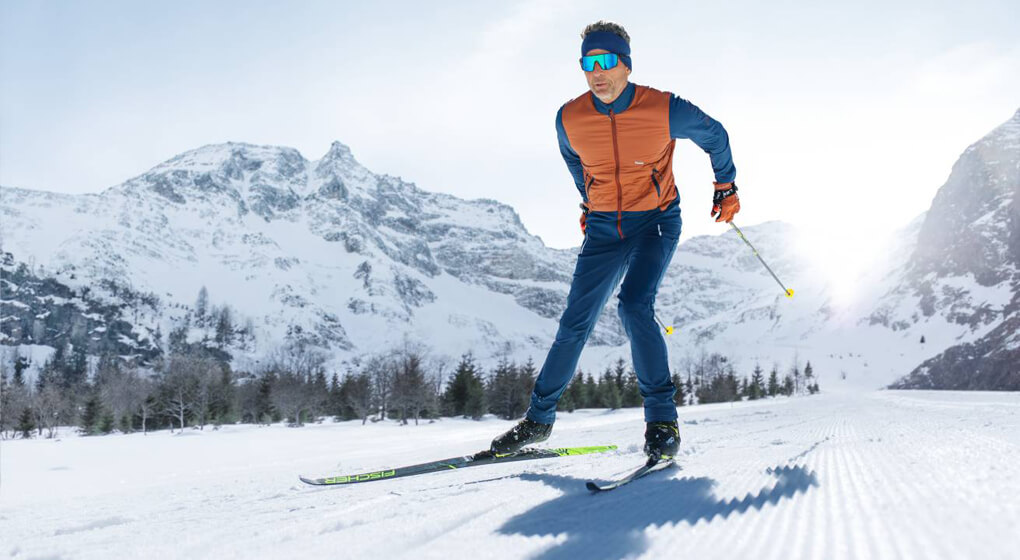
{"type": "Point", "coordinates": [911, 486]}
{"type": "Point", "coordinates": [860, 504]}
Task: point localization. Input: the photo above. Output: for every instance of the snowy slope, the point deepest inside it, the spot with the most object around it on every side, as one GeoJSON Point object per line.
{"type": "Point", "coordinates": [835, 476]}
{"type": "Point", "coordinates": [323, 252]}
{"type": "Point", "coordinates": [962, 281]}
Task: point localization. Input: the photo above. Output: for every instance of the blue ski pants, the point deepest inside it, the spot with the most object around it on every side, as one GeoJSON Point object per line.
{"type": "Point", "coordinates": [640, 258]}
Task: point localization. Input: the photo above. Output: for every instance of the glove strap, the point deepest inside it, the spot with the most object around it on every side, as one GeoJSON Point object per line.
{"type": "Point", "coordinates": [719, 196]}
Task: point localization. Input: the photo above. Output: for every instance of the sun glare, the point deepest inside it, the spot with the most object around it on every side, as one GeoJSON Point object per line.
{"type": "Point", "coordinates": [841, 262]}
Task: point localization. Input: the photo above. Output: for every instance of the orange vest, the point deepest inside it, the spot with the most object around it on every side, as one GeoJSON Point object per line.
{"type": "Point", "coordinates": [627, 157]}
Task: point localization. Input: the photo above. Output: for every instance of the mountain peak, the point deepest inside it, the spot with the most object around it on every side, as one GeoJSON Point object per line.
{"type": "Point", "coordinates": [212, 157]}
{"type": "Point", "coordinates": [338, 151]}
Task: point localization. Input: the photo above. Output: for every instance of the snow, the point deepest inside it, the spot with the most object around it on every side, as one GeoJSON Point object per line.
{"type": "Point", "coordinates": [844, 474]}
{"type": "Point", "coordinates": [35, 354]}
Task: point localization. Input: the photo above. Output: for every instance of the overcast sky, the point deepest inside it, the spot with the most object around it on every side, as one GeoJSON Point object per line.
{"type": "Point", "coordinates": [844, 120]}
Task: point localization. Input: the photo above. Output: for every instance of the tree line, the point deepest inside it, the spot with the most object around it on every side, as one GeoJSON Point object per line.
{"type": "Point", "coordinates": [193, 386]}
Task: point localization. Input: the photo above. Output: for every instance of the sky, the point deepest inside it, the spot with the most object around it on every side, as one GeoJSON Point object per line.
{"type": "Point", "coordinates": [843, 119]}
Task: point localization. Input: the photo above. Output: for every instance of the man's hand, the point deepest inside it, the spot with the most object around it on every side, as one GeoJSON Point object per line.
{"type": "Point", "coordinates": [584, 218]}
{"type": "Point", "coordinates": [725, 203]}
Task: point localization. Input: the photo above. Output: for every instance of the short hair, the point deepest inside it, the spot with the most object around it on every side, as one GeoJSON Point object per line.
{"type": "Point", "coordinates": [603, 25]}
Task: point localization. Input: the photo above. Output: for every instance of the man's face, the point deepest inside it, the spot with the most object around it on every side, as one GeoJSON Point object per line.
{"type": "Point", "coordinates": [607, 85]}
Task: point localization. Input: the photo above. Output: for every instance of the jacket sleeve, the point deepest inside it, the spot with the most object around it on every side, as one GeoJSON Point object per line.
{"type": "Point", "coordinates": [570, 156]}
{"type": "Point", "coordinates": [686, 120]}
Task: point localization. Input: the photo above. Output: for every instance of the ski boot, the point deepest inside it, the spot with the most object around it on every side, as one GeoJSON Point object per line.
{"type": "Point", "coordinates": [662, 440]}
{"type": "Point", "coordinates": [526, 432]}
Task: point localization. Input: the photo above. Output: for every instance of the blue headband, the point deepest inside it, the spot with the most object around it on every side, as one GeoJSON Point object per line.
{"type": "Point", "coordinates": [607, 40]}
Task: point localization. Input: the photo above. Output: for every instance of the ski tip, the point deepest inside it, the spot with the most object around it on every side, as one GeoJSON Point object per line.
{"type": "Point", "coordinates": [592, 486]}
{"type": "Point", "coordinates": [312, 481]}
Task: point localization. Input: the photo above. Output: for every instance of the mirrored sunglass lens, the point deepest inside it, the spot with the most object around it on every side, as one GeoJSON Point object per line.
{"type": "Point", "coordinates": [605, 61]}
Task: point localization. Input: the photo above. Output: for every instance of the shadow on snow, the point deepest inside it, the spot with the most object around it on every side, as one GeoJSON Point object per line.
{"type": "Point", "coordinates": [611, 525]}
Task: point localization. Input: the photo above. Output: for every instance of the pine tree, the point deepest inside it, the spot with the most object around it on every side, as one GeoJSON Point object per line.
{"type": "Point", "coordinates": [75, 371]}
{"type": "Point", "coordinates": [26, 423]}
{"type": "Point", "coordinates": [574, 395]}
{"type": "Point", "coordinates": [90, 417]}
{"type": "Point", "coordinates": [788, 385]}
{"type": "Point", "coordinates": [126, 426]}
{"type": "Point", "coordinates": [334, 403]}
{"type": "Point", "coordinates": [774, 381]}
{"type": "Point", "coordinates": [501, 390]}
{"type": "Point", "coordinates": [474, 408]}
{"type": "Point", "coordinates": [632, 391]}
{"type": "Point", "coordinates": [356, 397]}
{"type": "Point", "coordinates": [757, 389]}
{"type": "Point", "coordinates": [620, 375]}
{"type": "Point", "coordinates": [591, 393]}
{"type": "Point", "coordinates": [566, 403]}
{"type": "Point", "coordinates": [733, 386]}
{"type": "Point", "coordinates": [106, 422]}
{"type": "Point", "coordinates": [526, 376]}
{"type": "Point", "coordinates": [264, 411]}
{"type": "Point", "coordinates": [219, 390]}
{"type": "Point", "coordinates": [201, 306]}
{"type": "Point", "coordinates": [609, 393]}
{"type": "Point", "coordinates": [679, 397]}
{"type": "Point", "coordinates": [224, 327]}
{"type": "Point", "coordinates": [465, 394]}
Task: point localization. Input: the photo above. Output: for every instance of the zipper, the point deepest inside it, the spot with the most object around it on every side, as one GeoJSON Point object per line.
{"type": "Point", "coordinates": [655, 181]}
{"type": "Point", "coordinates": [587, 187]}
{"type": "Point", "coordinates": [619, 187]}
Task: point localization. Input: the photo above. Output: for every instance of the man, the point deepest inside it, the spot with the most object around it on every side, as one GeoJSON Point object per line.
{"type": "Point", "coordinates": [617, 140]}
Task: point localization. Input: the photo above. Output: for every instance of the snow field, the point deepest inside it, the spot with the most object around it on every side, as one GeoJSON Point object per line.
{"type": "Point", "coordinates": [837, 476]}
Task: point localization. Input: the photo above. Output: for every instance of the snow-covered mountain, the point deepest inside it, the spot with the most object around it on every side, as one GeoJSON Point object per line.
{"type": "Point", "coordinates": [962, 281]}
{"type": "Point", "coordinates": [327, 254]}
{"type": "Point", "coordinates": [324, 252]}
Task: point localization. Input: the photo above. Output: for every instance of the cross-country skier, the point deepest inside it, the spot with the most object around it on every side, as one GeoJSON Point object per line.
{"type": "Point", "coordinates": [617, 140]}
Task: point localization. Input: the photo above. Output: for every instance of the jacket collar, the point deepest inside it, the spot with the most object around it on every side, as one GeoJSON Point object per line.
{"type": "Point", "coordinates": [619, 105]}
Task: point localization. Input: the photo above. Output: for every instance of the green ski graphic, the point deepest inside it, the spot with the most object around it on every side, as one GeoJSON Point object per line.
{"type": "Point", "coordinates": [478, 459]}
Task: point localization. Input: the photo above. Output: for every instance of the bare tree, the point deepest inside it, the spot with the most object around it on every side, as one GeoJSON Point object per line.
{"type": "Point", "coordinates": [293, 395]}
{"type": "Point", "coordinates": [411, 389]}
{"type": "Point", "coordinates": [380, 370]}
{"type": "Point", "coordinates": [207, 374]}
{"type": "Point", "coordinates": [247, 398]}
{"type": "Point", "coordinates": [49, 407]}
{"type": "Point", "coordinates": [296, 357]}
{"type": "Point", "coordinates": [358, 395]}
{"type": "Point", "coordinates": [179, 385]}
{"type": "Point", "coordinates": [121, 390]}
{"type": "Point", "coordinates": [143, 391]}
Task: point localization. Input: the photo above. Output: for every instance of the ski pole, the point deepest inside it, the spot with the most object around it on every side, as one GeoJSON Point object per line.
{"type": "Point", "coordinates": [788, 292]}
{"type": "Point", "coordinates": [669, 329]}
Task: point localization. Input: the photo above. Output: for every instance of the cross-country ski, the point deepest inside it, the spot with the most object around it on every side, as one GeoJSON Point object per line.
{"type": "Point", "coordinates": [444, 465]}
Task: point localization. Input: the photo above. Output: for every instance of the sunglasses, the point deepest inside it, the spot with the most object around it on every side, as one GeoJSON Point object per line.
{"type": "Point", "coordinates": [605, 60]}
